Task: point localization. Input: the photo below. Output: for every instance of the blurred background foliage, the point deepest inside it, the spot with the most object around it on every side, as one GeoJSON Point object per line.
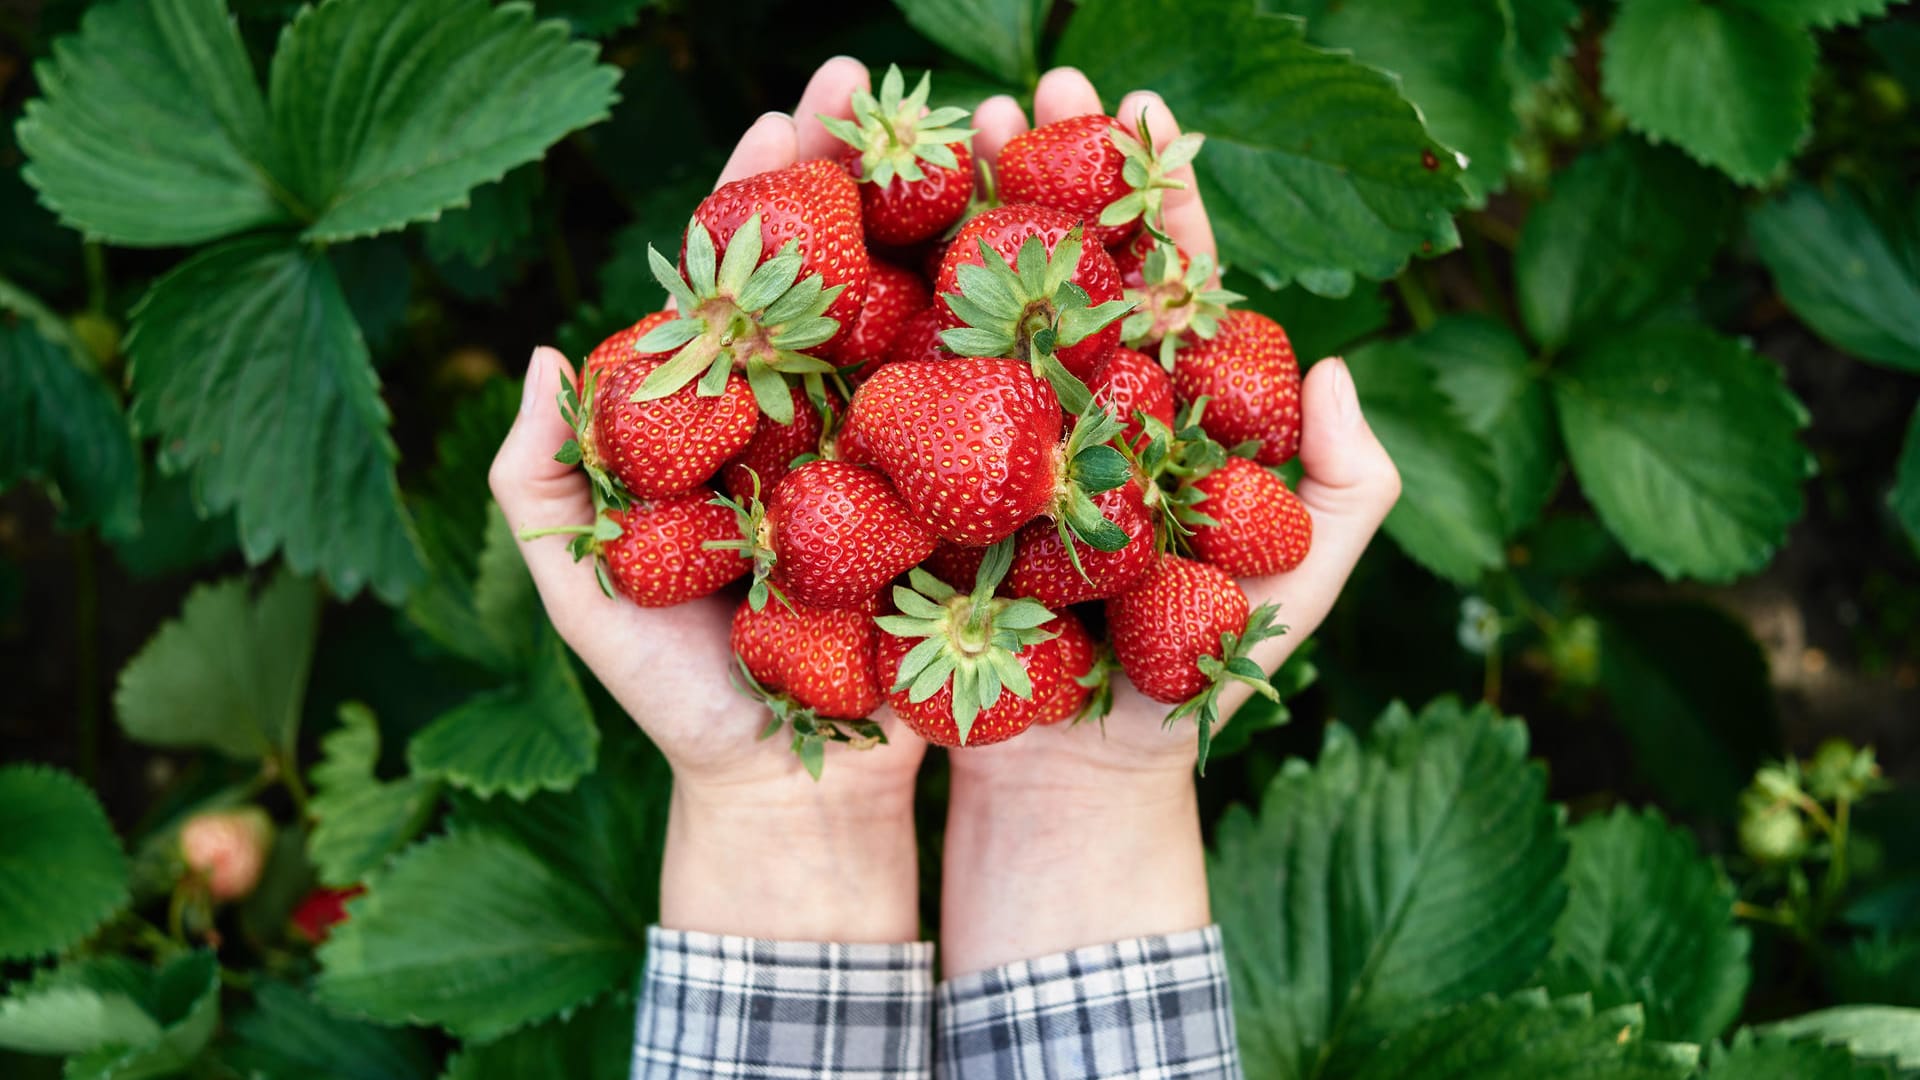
{"type": "Point", "coordinates": [1631, 290]}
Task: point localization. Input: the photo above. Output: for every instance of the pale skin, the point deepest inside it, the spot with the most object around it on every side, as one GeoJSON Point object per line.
{"type": "Point", "coordinates": [1061, 838]}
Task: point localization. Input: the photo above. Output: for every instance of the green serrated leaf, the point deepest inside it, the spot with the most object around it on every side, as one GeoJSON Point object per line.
{"type": "Point", "coordinates": [61, 425]}
{"type": "Point", "coordinates": [1648, 914]}
{"type": "Point", "coordinates": [1849, 269]}
{"type": "Point", "coordinates": [62, 872]}
{"type": "Point", "coordinates": [493, 229]}
{"type": "Point", "coordinates": [478, 934]}
{"type": "Point", "coordinates": [1298, 189]}
{"type": "Point", "coordinates": [151, 130]}
{"type": "Point", "coordinates": [1687, 444]}
{"type": "Point", "coordinates": [1449, 516]}
{"type": "Point", "coordinates": [358, 818]}
{"type": "Point", "coordinates": [384, 116]}
{"type": "Point", "coordinates": [247, 363]}
{"type": "Point", "coordinates": [116, 1019]}
{"type": "Point", "coordinates": [1490, 381]}
{"type": "Point", "coordinates": [1000, 37]}
{"type": "Point", "coordinates": [287, 1034]}
{"type": "Point", "coordinates": [1779, 1058]}
{"type": "Point", "coordinates": [229, 673]}
{"type": "Point", "coordinates": [1383, 883]}
{"type": "Point", "coordinates": [1873, 1031]}
{"type": "Point", "coordinates": [536, 733]}
{"type": "Point", "coordinates": [1628, 227]}
{"type": "Point", "coordinates": [594, 1041]}
{"type": "Point", "coordinates": [1825, 14]}
{"type": "Point", "coordinates": [1729, 85]}
{"type": "Point", "coordinates": [1524, 1037]}
{"type": "Point", "coordinates": [1542, 33]}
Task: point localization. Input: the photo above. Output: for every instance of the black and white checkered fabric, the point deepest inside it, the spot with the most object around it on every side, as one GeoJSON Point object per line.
{"type": "Point", "coordinates": [1151, 1008]}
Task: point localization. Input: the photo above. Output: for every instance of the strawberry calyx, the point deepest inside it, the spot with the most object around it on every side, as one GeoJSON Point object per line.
{"type": "Point", "coordinates": [895, 133]}
{"type": "Point", "coordinates": [1028, 310]}
{"type": "Point", "coordinates": [811, 731]}
{"type": "Point", "coordinates": [587, 540]}
{"type": "Point", "coordinates": [576, 407]}
{"type": "Point", "coordinates": [1173, 460]}
{"type": "Point", "coordinates": [1147, 171]}
{"type": "Point", "coordinates": [972, 639]}
{"type": "Point", "coordinates": [1086, 465]}
{"type": "Point", "coordinates": [1234, 664]}
{"type": "Point", "coordinates": [738, 313]}
{"type": "Point", "coordinates": [1174, 303]}
{"type": "Point", "coordinates": [1099, 684]}
{"type": "Point", "coordinates": [755, 543]}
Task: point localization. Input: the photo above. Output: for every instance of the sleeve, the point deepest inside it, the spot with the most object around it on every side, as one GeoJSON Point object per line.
{"type": "Point", "coordinates": [1154, 1007]}
{"type": "Point", "coordinates": [716, 1006]}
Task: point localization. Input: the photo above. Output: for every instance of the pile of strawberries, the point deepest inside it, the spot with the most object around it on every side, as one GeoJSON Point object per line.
{"type": "Point", "coordinates": [946, 433]}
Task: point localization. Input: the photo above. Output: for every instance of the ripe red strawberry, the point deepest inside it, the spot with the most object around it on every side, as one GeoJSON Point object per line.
{"type": "Point", "coordinates": [823, 660]}
{"type": "Point", "coordinates": [1079, 165]}
{"type": "Point", "coordinates": [829, 535]}
{"type": "Point", "coordinates": [973, 446]}
{"type": "Point", "coordinates": [1043, 570]}
{"type": "Point", "coordinates": [1183, 632]}
{"type": "Point", "coordinates": [769, 455]}
{"type": "Point", "coordinates": [1130, 382]}
{"type": "Point", "coordinates": [955, 565]}
{"type": "Point", "coordinates": [660, 556]}
{"type": "Point", "coordinates": [816, 205]}
{"type": "Point", "coordinates": [1261, 527]}
{"type": "Point", "coordinates": [894, 297]}
{"type": "Point", "coordinates": [665, 445]}
{"type": "Point", "coordinates": [914, 167]}
{"type": "Point", "coordinates": [919, 340]}
{"type": "Point", "coordinates": [320, 911]}
{"type": "Point", "coordinates": [1251, 380]}
{"type": "Point", "coordinates": [1077, 657]}
{"type": "Point", "coordinates": [1004, 321]}
{"type": "Point", "coordinates": [619, 349]}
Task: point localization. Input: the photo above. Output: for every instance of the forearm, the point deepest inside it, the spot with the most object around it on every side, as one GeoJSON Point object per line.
{"type": "Point", "coordinates": [818, 866]}
{"type": "Point", "coordinates": [1037, 869]}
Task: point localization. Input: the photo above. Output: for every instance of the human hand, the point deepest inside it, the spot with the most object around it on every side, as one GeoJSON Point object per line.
{"type": "Point", "coordinates": [755, 846]}
{"type": "Point", "coordinates": [1071, 836]}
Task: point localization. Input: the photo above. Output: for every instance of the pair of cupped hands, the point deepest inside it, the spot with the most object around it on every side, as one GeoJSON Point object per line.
{"type": "Point", "coordinates": [1060, 817]}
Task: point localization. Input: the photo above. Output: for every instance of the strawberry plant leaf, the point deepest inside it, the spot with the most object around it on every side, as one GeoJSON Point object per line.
{"type": "Point", "coordinates": [62, 872]}
{"type": "Point", "coordinates": [1689, 686]}
{"type": "Point", "coordinates": [150, 130]}
{"type": "Point", "coordinates": [1849, 269]}
{"type": "Point", "coordinates": [1386, 881]}
{"type": "Point", "coordinates": [595, 18]}
{"type": "Point", "coordinates": [1777, 1058]}
{"type": "Point", "coordinates": [1450, 59]}
{"type": "Point", "coordinates": [1488, 377]}
{"type": "Point", "coordinates": [594, 1041]}
{"type": "Point", "coordinates": [493, 229]}
{"type": "Point", "coordinates": [288, 1034]}
{"type": "Point", "coordinates": [1298, 190]}
{"type": "Point", "coordinates": [1448, 518]}
{"type": "Point", "coordinates": [384, 116]}
{"type": "Point", "coordinates": [1628, 227]}
{"type": "Point", "coordinates": [1905, 497]}
{"type": "Point", "coordinates": [1648, 915]}
{"type": "Point", "coordinates": [1869, 1031]}
{"type": "Point", "coordinates": [174, 536]}
{"type": "Point", "coordinates": [153, 1022]}
{"type": "Point", "coordinates": [1542, 33]}
{"type": "Point", "coordinates": [1687, 444]}
{"type": "Point", "coordinates": [1825, 14]}
{"type": "Point", "coordinates": [409, 953]}
{"type": "Point", "coordinates": [248, 365]}
{"type": "Point", "coordinates": [61, 423]}
{"type": "Point", "coordinates": [229, 673]}
{"type": "Point", "coordinates": [360, 819]}
{"type": "Point", "coordinates": [1730, 85]}
{"type": "Point", "coordinates": [535, 733]}
{"type": "Point", "coordinates": [1522, 1037]}
{"type": "Point", "coordinates": [1000, 37]}
{"type": "Point", "coordinates": [1884, 968]}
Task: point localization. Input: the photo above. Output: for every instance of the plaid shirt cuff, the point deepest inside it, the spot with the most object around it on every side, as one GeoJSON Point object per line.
{"type": "Point", "coordinates": [716, 1006]}
{"type": "Point", "coordinates": [1151, 1008]}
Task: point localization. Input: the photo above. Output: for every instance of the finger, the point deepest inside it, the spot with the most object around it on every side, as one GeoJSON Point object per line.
{"type": "Point", "coordinates": [998, 121]}
{"type": "Point", "coordinates": [1063, 93]}
{"type": "Point", "coordinates": [536, 491]}
{"type": "Point", "coordinates": [830, 91]}
{"type": "Point", "coordinates": [1349, 485]}
{"type": "Point", "coordinates": [768, 145]}
{"type": "Point", "coordinates": [1185, 217]}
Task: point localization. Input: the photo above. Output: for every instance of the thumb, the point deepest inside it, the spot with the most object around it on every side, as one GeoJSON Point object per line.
{"type": "Point", "coordinates": [535, 491]}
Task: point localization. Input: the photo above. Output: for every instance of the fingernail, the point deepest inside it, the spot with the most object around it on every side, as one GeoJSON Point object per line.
{"type": "Point", "coordinates": [788, 117]}
{"type": "Point", "coordinates": [1346, 403]}
{"type": "Point", "coordinates": [534, 364]}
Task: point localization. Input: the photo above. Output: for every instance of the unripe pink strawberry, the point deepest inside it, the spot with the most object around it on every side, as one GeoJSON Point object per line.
{"type": "Point", "coordinates": [227, 849]}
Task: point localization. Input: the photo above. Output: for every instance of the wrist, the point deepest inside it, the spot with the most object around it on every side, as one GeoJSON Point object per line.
{"type": "Point", "coordinates": [819, 862]}
{"type": "Point", "coordinates": [1040, 866]}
